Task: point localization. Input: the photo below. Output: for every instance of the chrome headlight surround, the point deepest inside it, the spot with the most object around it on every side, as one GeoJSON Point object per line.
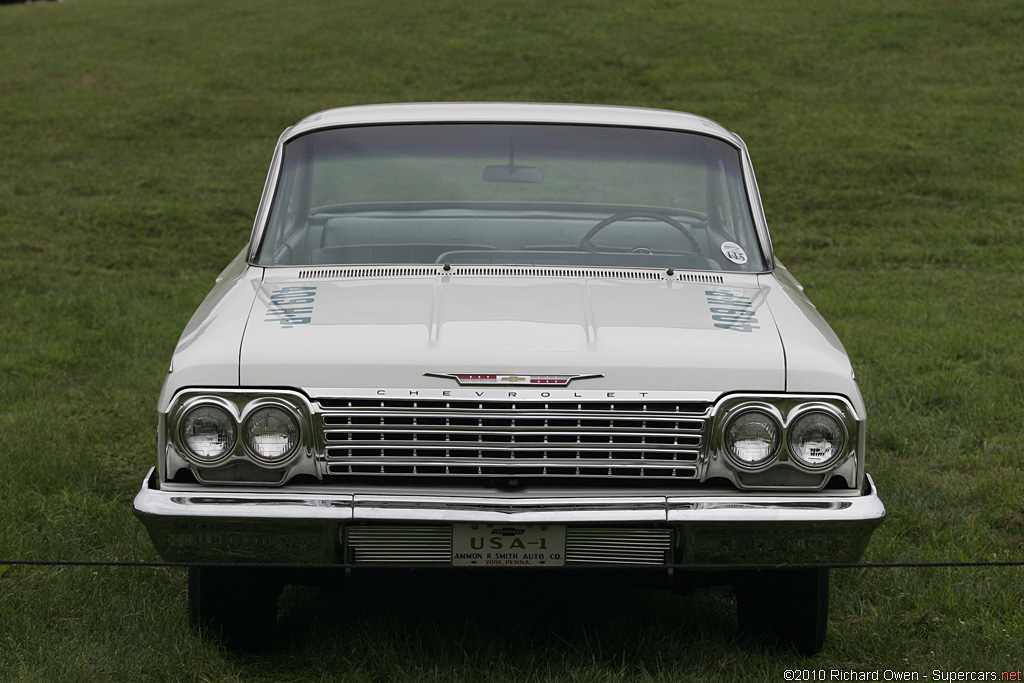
{"type": "Point", "coordinates": [275, 419]}
{"type": "Point", "coordinates": [207, 432]}
{"type": "Point", "coordinates": [829, 419]}
{"type": "Point", "coordinates": [790, 467]}
{"type": "Point", "coordinates": [244, 454]}
{"type": "Point", "coordinates": [754, 427]}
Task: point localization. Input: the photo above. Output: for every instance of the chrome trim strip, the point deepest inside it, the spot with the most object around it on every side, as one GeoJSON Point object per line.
{"type": "Point", "coordinates": [522, 396]}
{"type": "Point", "coordinates": [750, 512]}
{"type": "Point", "coordinates": [259, 224]}
{"type": "Point", "coordinates": [228, 502]}
{"type": "Point", "coordinates": [512, 510]}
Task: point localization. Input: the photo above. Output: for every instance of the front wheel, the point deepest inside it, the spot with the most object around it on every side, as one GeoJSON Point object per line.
{"type": "Point", "coordinates": [238, 603]}
{"type": "Point", "coordinates": [785, 606]}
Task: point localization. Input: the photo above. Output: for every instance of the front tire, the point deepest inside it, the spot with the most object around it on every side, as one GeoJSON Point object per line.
{"type": "Point", "coordinates": [788, 607]}
{"type": "Point", "coordinates": [238, 604]}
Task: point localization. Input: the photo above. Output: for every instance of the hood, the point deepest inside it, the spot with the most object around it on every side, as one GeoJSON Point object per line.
{"type": "Point", "coordinates": [657, 335]}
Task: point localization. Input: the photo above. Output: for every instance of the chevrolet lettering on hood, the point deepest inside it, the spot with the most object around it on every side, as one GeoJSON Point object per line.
{"type": "Point", "coordinates": [510, 335]}
{"type": "Point", "coordinates": [524, 392]}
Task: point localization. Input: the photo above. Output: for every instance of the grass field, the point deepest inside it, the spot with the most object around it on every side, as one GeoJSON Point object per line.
{"type": "Point", "coordinates": [134, 140]}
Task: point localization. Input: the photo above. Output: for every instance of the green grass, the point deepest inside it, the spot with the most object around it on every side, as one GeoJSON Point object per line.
{"type": "Point", "coordinates": [134, 140]}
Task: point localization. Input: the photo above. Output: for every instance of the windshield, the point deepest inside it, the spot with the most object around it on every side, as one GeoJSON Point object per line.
{"type": "Point", "coordinates": [535, 194]}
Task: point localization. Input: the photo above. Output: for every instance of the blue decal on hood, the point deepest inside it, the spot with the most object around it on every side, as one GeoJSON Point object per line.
{"type": "Point", "coordinates": [731, 311]}
{"type": "Point", "coordinates": [287, 306]}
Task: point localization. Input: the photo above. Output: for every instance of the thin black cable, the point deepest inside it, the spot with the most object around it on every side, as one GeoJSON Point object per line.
{"type": "Point", "coordinates": [683, 567]}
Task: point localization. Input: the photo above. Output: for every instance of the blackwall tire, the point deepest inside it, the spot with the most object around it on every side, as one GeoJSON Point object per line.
{"type": "Point", "coordinates": [237, 604]}
{"type": "Point", "coordinates": [787, 607]}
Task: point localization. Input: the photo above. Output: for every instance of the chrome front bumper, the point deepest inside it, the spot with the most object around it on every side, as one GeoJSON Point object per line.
{"type": "Point", "coordinates": [279, 526]}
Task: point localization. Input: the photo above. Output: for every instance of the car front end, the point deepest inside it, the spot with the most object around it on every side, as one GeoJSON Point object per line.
{"type": "Point", "coordinates": [519, 336]}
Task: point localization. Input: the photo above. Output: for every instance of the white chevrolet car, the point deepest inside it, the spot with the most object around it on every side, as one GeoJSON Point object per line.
{"type": "Point", "coordinates": [510, 337]}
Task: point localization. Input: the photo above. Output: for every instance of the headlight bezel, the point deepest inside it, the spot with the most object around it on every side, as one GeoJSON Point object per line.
{"type": "Point", "coordinates": [787, 410]}
{"type": "Point", "coordinates": [240, 406]}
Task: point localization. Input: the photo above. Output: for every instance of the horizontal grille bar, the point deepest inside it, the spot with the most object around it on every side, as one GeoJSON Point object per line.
{"type": "Point", "coordinates": [529, 459]}
{"type": "Point", "coordinates": [456, 439]}
{"type": "Point", "coordinates": [514, 472]}
{"type": "Point", "coordinates": [427, 449]}
{"type": "Point", "coordinates": [695, 409]}
{"type": "Point", "coordinates": [555, 419]}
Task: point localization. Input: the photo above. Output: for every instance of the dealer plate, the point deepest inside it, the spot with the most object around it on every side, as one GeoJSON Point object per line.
{"type": "Point", "coordinates": [508, 545]}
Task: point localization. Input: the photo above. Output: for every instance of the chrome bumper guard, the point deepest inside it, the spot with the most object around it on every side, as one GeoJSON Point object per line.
{"type": "Point", "coordinates": [707, 528]}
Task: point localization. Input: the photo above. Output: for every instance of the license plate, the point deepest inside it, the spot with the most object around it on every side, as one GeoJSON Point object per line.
{"type": "Point", "coordinates": [508, 545]}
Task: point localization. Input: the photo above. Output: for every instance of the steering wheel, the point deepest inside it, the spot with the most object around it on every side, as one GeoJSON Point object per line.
{"type": "Point", "coordinates": [586, 245]}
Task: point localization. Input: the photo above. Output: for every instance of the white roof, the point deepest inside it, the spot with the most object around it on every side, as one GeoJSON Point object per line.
{"type": "Point", "coordinates": [510, 112]}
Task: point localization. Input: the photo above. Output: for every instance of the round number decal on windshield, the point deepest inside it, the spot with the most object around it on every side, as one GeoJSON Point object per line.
{"type": "Point", "coordinates": [734, 252]}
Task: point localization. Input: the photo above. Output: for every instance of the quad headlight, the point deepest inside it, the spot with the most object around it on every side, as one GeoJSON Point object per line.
{"type": "Point", "coordinates": [753, 437]}
{"type": "Point", "coordinates": [233, 435]}
{"type": "Point", "coordinates": [816, 439]}
{"type": "Point", "coordinates": [208, 433]}
{"type": "Point", "coordinates": [773, 441]}
{"type": "Point", "coordinates": [270, 434]}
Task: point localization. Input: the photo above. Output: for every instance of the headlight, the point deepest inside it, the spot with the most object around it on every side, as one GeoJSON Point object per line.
{"type": "Point", "coordinates": [816, 439]}
{"type": "Point", "coordinates": [752, 438]}
{"type": "Point", "coordinates": [208, 433]}
{"type": "Point", "coordinates": [270, 434]}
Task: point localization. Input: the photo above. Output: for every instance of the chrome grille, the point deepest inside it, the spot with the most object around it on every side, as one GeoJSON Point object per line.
{"type": "Point", "coordinates": [385, 544]}
{"type": "Point", "coordinates": [399, 544]}
{"type": "Point", "coordinates": [513, 440]}
{"type": "Point", "coordinates": [617, 546]}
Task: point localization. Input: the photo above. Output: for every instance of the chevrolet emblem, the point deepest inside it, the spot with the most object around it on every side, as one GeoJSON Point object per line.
{"type": "Point", "coordinates": [495, 378]}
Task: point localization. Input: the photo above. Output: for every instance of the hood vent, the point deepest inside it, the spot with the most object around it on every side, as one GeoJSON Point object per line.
{"type": "Point", "coordinates": [368, 272]}
{"type": "Point", "coordinates": [363, 272]}
{"type": "Point", "coordinates": [698, 278]}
